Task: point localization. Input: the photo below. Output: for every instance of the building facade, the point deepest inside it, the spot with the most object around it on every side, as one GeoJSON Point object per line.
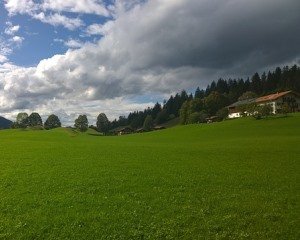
{"type": "Point", "coordinates": [237, 110]}
{"type": "Point", "coordinates": [277, 101]}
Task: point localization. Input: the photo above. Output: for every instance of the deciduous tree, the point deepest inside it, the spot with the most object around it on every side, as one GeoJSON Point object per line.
{"type": "Point", "coordinates": [35, 120]}
{"type": "Point", "coordinates": [222, 113]}
{"type": "Point", "coordinates": [194, 118]}
{"type": "Point", "coordinates": [22, 120]}
{"type": "Point", "coordinates": [184, 112]}
{"type": "Point", "coordinates": [102, 123]}
{"type": "Point", "coordinates": [81, 123]}
{"type": "Point", "coordinates": [148, 123]}
{"type": "Point", "coordinates": [247, 95]}
{"type": "Point", "coordinates": [52, 122]}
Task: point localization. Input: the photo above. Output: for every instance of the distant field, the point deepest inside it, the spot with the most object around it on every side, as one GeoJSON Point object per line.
{"type": "Point", "coordinates": [236, 179]}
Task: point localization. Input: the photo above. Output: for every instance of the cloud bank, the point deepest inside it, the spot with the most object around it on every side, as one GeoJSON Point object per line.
{"type": "Point", "coordinates": [155, 47]}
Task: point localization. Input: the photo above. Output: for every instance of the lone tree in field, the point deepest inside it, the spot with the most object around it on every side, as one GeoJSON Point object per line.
{"type": "Point", "coordinates": [52, 122]}
{"type": "Point", "coordinates": [22, 120]}
{"type": "Point", "coordinates": [148, 123]}
{"type": "Point", "coordinates": [35, 120]}
{"type": "Point", "coordinates": [102, 123]}
{"type": "Point", "coordinates": [81, 123]}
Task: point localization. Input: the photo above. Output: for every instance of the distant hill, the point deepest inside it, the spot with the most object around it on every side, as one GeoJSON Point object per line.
{"type": "Point", "coordinates": [5, 123]}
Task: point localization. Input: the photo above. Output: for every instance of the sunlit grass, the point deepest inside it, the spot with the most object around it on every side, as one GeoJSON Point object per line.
{"type": "Point", "coordinates": [236, 179]}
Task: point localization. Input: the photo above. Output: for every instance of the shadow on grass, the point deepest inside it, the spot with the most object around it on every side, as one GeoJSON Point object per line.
{"type": "Point", "coordinates": [95, 134]}
{"type": "Point", "coordinates": [274, 117]}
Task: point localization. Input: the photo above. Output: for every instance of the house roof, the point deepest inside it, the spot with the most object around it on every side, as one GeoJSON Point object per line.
{"type": "Point", "coordinates": [266, 98]}
{"type": "Point", "coordinates": [159, 127]}
{"type": "Point", "coordinates": [242, 102]}
{"type": "Point", "coordinates": [272, 97]}
{"type": "Point", "coordinates": [120, 129]}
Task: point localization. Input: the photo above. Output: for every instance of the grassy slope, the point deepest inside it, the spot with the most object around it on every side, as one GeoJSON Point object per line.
{"type": "Point", "coordinates": [171, 123]}
{"type": "Point", "coordinates": [237, 179]}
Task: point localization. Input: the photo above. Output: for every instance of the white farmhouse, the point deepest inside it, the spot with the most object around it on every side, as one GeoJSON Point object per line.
{"type": "Point", "coordinates": [234, 110]}
{"type": "Point", "coordinates": [276, 101]}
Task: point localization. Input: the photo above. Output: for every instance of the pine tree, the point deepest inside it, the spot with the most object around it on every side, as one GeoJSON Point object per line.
{"type": "Point", "coordinates": [256, 84]}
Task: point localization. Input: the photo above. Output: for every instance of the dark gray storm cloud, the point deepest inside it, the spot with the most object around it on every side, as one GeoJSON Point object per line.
{"type": "Point", "coordinates": [220, 34]}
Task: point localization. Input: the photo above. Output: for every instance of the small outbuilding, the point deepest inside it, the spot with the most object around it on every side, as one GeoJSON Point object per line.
{"type": "Point", "coordinates": [158, 128]}
{"type": "Point", "coordinates": [122, 130]}
{"type": "Point", "coordinates": [140, 130]}
{"type": "Point", "coordinates": [212, 119]}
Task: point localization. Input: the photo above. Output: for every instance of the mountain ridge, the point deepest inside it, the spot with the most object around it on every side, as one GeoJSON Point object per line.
{"type": "Point", "coordinates": [4, 123]}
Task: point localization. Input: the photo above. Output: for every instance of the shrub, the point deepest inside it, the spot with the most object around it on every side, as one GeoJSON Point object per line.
{"type": "Point", "coordinates": [262, 111]}
{"type": "Point", "coordinates": [194, 118]}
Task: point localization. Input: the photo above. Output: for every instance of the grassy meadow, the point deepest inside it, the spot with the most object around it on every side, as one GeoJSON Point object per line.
{"type": "Point", "coordinates": [236, 179]}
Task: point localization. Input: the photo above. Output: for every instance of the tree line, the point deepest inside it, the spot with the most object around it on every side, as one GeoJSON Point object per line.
{"type": "Point", "coordinates": [212, 101]}
{"type": "Point", "coordinates": [191, 108]}
{"type": "Point", "coordinates": [34, 120]}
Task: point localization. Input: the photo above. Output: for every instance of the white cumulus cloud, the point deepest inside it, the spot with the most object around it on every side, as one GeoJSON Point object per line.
{"type": "Point", "coordinates": [73, 43]}
{"type": "Point", "coordinates": [57, 19]}
{"type": "Point", "coordinates": [79, 6]}
{"type": "Point", "coordinates": [17, 39]}
{"type": "Point", "coordinates": [11, 29]}
{"type": "Point", "coordinates": [99, 29]}
{"type": "Point", "coordinates": [8, 44]}
{"type": "Point", "coordinates": [20, 6]}
{"type": "Point", "coordinates": [3, 58]}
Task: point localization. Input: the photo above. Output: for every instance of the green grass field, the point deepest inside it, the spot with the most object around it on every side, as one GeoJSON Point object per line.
{"type": "Point", "coordinates": [231, 180]}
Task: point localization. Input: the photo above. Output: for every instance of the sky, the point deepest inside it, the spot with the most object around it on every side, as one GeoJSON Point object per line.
{"type": "Point", "coordinates": [76, 57]}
